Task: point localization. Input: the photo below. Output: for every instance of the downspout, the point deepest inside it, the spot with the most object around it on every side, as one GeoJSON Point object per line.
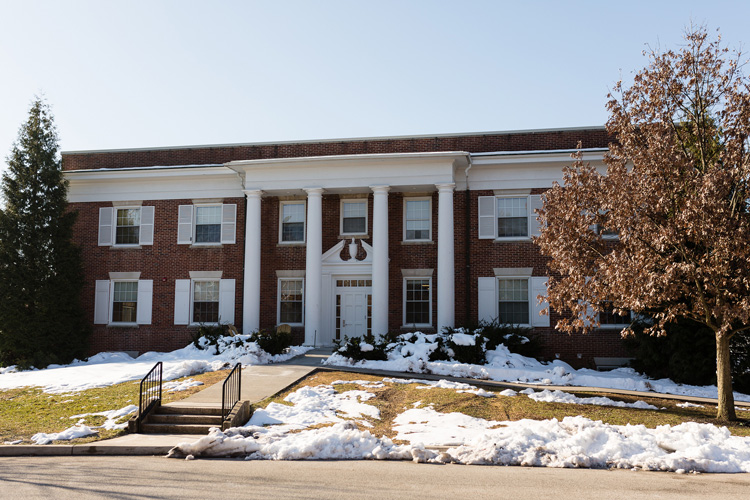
{"type": "Point", "coordinates": [467, 247]}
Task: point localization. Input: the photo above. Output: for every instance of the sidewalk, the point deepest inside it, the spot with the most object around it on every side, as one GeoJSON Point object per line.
{"type": "Point", "coordinates": [262, 381]}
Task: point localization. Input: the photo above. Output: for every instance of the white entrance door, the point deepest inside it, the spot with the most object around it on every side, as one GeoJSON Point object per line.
{"type": "Point", "coordinates": [353, 307]}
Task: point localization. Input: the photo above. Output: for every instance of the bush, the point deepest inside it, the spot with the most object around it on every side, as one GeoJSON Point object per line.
{"type": "Point", "coordinates": [352, 347]}
{"type": "Point", "coordinates": [276, 342]}
{"type": "Point", "coordinates": [687, 355]}
{"type": "Point", "coordinates": [517, 339]}
{"type": "Point", "coordinates": [212, 334]}
{"type": "Point", "coordinates": [470, 354]}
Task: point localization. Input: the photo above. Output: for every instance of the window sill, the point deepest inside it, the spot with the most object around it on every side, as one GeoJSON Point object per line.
{"type": "Point", "coordinates": [122, 325]}
{"type": "Point", "coordinates": [510, 239]}
{"type": "Point", "coordinates": [207, 245]}
{"type": "Point", "coordinates": [417, 242]}
{"type": "Point", "coordinates": [125, 247]}
{"type": "Point", "coordinates": [198, 325]}
{"type": "Point", "coordinates": [613, 327]}
{"type": "Point", "coordinates": [417, 326]}
{"type": "Point", "coordinates": [358, 236]}
{"type": "Point", "coordinates": [291, 244]}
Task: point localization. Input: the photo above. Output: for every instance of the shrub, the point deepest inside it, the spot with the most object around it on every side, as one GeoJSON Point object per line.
{"type": "Point", "coordinates": [276, 342]}
{"type": "Point", "coordinates": [471, 354]}
{"type": "Point", "coordinates": [352, 347]}
{"type": "Point", "coordinates": [516, 338]}
{"type": "Point", "coordinates": [212, 334]}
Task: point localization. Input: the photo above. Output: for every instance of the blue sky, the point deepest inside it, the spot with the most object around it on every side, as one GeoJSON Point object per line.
{"type": "Point", "coordinates": [160, 73]}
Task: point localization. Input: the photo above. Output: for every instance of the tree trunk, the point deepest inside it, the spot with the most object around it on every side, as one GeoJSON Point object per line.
{"type": "Point", "coordinates": [724, 379]}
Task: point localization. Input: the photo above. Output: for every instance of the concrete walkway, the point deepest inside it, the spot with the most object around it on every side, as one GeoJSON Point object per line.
{"type": "Point", "coordinates": [262, 381]}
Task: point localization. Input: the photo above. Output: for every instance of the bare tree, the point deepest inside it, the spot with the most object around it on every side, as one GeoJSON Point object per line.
{"type": "Point", "coordinates": [675, 193]}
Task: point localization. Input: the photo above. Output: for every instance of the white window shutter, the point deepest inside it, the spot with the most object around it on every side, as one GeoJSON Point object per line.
{"type": "Point", "coordinates": [538, 287]}
{"type": "Point", "coordinates": [185, 225]}
{"type": "Point", "coordinates": [228, 223]}
{"type": "Point", "coordinates": [487, 217]}
{"type": "Point", "coordinates": [181, 302]}
{"type": "Point", "coordinates": [145, 301]}
{"type": "Point", "coordinates": [535, 203]}
{"type": "Point", "coordinates": [101, 303]}
{"type": "Point", "coordinates": [147, 226]}
{"type": "Point", "coordinates": [487, 303]}
{"type": "Point", "coordinates": [106, 222]}
{"type": "Point", "coordinates": [226, 302]}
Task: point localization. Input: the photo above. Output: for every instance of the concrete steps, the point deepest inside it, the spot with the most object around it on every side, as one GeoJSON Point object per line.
{"type": "Point", "coordinates": [182, 420]}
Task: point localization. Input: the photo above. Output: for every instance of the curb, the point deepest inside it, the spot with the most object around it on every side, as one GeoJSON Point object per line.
{"type": "Point", "coordinates": [62, 450]}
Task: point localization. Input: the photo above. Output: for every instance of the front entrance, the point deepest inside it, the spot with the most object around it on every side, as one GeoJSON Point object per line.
{"type": "Point", "coordinates": [353, 307]}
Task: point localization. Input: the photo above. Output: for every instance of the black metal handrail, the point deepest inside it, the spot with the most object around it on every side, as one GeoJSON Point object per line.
{"type": "Point", "coordinates": [230, 391]}
{"type": "Point", "coordinates": [150, 392]}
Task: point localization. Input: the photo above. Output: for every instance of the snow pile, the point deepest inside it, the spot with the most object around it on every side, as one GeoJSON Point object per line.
{"type": "Point", "coordinates": [106, 369]}
{"type": "Point", "coordinates": [563, 397]}
{"type": "Point", "coordinates": [8, 369]}
{"type": "Point", "coordinates": [688, 404]}
{"type": "Point", "coordinates": [77, 431]}
{"type": "Point", "coordinates": [572, 442]}
{"type": "Point", "coordinates": [442, 384]}
{"type": "Point", "coordinates": [111, 417]}
{"type": "Point", "coordinates": [412, 355]}
{"type": "Point", "coordinates": [183, 385]}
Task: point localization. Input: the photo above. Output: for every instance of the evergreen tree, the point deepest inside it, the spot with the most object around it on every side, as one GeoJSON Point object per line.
{"type": "Point", "coordinates": [41, 275]}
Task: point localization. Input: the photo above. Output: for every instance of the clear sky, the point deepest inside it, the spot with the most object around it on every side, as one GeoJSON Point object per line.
{"type": "Point", "coordinates": [131, 74]}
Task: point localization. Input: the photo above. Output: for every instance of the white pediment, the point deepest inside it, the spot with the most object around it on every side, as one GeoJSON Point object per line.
{"type": "Point", "coordinates": [333, 255]}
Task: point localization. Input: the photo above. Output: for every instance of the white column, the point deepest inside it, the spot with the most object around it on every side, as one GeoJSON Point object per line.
{"type": "Point", "coordinates": [251, 280]}
{"type": "Point", "coordinates": [314, 266]}
{"type": "Point", "coordinates": [446, 276]}
{"type": "Point", "coordinates": [380, 290]}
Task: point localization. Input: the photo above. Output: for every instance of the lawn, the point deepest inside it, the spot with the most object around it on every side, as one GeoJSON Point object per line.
{"type": "Point", "coordinates": [26, 411]}
{"type": "Point", "coordinates": [394, 399]}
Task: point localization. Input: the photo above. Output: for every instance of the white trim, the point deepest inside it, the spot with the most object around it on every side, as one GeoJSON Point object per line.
{"type": "Point", "coordinates": [206, 275]}
{"type": "Point", "coordinates": [403, 304]}
{"type": "Point", "coordinates": [344, 201]}
{"type": "Point", "coordinates": [429, 226]}
{"type": "Point", "coordinates": [278, 300]}
{"type": "Point", "coordinates": [281, 222]}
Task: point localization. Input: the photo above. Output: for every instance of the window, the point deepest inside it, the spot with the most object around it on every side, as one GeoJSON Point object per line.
{"type": "Point", "coordinates": [417, 301]}
{"type": "Point", "coordinates": [417, 219]}
{"type": "Point", "coordinates": [513, 301]}
{"type": "Point", "coordinates": [354, 217]}
{"type": "Point", "coordinates": [208, 224]}
{"type": "Point", "coordinates": [512, 217]}
{"type": "Point", "coordinates": [291, 301]}
{"type": "Point", "coordinates": [128, 226]}
{"type": "Point", "coordinates": [124, 301]}
{"type": "Point", "coordinates": [509, 217]}
{"type": "Point", "coordinates": [205, 302]}
{"type": "Point", "coordinates": [293, 222]}
{"type": "Point", "coordinates": [608, 317]}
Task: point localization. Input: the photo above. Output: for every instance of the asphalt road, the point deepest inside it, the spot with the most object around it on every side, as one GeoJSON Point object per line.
{"type": "Point", "coordinates": [31, 478]}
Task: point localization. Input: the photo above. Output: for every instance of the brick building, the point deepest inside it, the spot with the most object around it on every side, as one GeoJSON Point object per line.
{"type": "Point", "coordinates": [337, 237]}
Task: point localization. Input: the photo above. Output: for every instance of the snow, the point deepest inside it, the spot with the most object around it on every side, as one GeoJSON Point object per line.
{"type": "Point", "coordinates": [105, 369]}
{"type": "Point", "coordinates": [365, 347]}
{"type": "Point", "coordinates": [572, 442]}
{"type": "Point", "coordinates": [688, 404]}
{"type": "Point", "coordinates": [183, 385]}
{"type": "Point", "coordinates": [463, 339]}
{"type": "Point", "coordinates": [563, 397]}
{"type": "Point", "coordinates": [77, 431]}
{"type": "Point", "coordinates": [111, 417]}
{"type": "Point", "coordinates": [412, 354]}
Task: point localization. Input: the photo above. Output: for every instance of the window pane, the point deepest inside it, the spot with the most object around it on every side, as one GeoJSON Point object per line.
{"type": "Point", "coordinates": [355, 209]}
{"type": "Point", "coordinates": [417, 303]}
{"type": "Point", "coordinates": [293, 212]}
{"type": "Point", "coordinates": [128, 226]}
{"type": "Point", "coordinates": [418, 219]}
{"type": "Point", "coordinates": [290, 301]}
{"type": "Point", "coordinates": [512, 217]}
{"type": "Point", "coordinates": [293, 231]}
{"type": "Point", "coordinates": [208, 215]}
{"type": "Point", "coordinates": [513, 295]}
{"type": "Point", "coordinates": [125, 302]}
{"type": "Point", "coordinates": [207, 233]}
{"type": "Point", "coordinates": [355, 225]}
{"type": "Point", "coordinates": [206, 312]}
{"type": "Point", "coordinates": [608, 317]}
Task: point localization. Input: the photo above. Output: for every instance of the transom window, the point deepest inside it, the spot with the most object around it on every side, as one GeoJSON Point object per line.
{"type": "Point", "coordinates": [417, 301]}
{"type": "Point", "coordinates": [349, 283]}
{"type": "Point", "coordinates": [512, 217]}
{"type": "Point", "coordinates": [124, 301]}
{"type": "Point", "coordinates": [293, 222]}
{"type": "Point", "coordinates": [208, 224]}
{"type": "Point", "coordinates": [513, 301]}
{"type": "Point", "coordinates": [354, 217]}
{"type": "Point", "coordinates": [417, 220]}
{"type": "Point", "coordinates": [206, 301]}
{"type": "Point", "coordinates": [128, 226]}
{"type": "Point", "coordinates": [291, 301]}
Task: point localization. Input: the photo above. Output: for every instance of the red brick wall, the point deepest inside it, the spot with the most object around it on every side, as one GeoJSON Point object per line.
{"type": "Point", "coordinates": [163, 262]}
{"type": "Point", "coordinates": [473, 143]}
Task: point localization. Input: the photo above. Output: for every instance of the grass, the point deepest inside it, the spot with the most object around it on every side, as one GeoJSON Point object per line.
{"type": "Point", "coordinates": [28, 410]}
{"type": "Point", "coordinates": [393, 399]}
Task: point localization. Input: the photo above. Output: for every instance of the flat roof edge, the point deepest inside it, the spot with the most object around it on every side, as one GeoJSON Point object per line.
{"type": "Point", "coordinates": [349, 139]}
